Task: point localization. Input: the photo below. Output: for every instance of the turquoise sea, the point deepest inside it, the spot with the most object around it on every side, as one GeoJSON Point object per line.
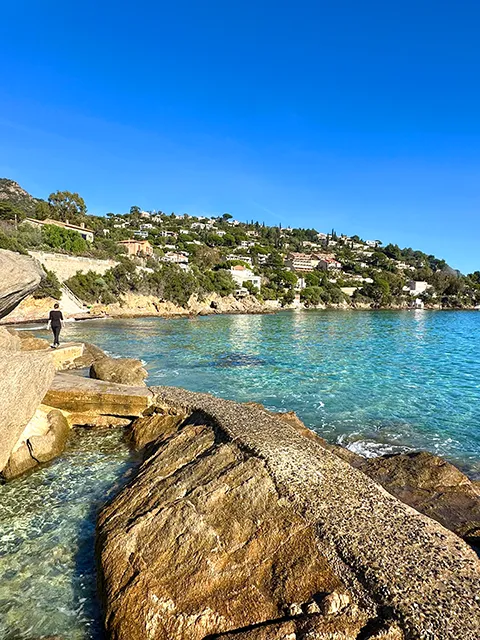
{"type": "Point", "coordinates": [376, 382]}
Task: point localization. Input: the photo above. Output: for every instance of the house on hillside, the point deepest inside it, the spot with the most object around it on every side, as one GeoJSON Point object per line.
{"type": "Point", "coordinates": [87, 234]}
{"type": "Point", "coordinates": [301, 261]}
{"type": "Point", "coordinates": [175, 257]}
{"type": "Point", "coordinates": [416, 287]}
{"type": "Point", "coordinates": [137, 247]}
{"type": "Point", "coordinates": [329, 264]}
{"type": "Point", "coordinates": [241, 274]}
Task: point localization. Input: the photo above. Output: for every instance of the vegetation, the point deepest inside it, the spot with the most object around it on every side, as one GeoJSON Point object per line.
{"type": "Point", "coordinates": [371, 274]}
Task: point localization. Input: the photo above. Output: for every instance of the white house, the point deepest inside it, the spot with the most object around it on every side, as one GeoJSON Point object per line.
{"type": "Point", "coordinates": [329, 264]}
{"type": "Point", "coordinates": [415, 287]}
{"type": "Point", "coordinates": [241, 274]}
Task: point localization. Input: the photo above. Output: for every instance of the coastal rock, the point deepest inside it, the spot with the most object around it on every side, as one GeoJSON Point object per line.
{"type": "Point", "coordinates": [120, 370]}
{"type": "Point", "coordinates": [85, 399]}
{"type": "Point", "coordinates": [91, 353]}
{"type": "Point", "coordinates": [235, 518]}
{"type": "Point", "coordinates": [43, 439]}
{"type": "Point", "coordinates": [433, 486]}
{"type": "Point", "coordinates": [31, 343]}
{"type": "Point", "coordinates": [9, 340]}
{"type": "Point", "coordinates": [24, 379]}
{"type": "Point", "coordinates": [21, 275]}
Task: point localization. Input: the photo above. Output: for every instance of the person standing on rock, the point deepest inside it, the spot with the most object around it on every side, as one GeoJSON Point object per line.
{"type": "Point", "coordinates": [55, 323]}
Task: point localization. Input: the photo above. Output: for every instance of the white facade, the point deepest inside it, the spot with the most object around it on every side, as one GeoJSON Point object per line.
{"type": "Point", "coordinates": [241, 275]}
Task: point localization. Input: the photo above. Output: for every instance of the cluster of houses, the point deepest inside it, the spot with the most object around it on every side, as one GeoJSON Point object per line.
{"type": "Point", "coordinates": [314, 258]}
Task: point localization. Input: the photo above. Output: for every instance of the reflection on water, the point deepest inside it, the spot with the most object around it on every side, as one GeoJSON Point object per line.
{"type": "Point", "coordinates": [47, 526]}
{"type": "Point", "coordinates": [374, 380]}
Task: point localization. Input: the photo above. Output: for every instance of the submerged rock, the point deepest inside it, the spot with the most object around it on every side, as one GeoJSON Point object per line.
{"type": "Point", "coordinates": [21, 275]}
{"type": "Point", "coordinates": [120, 370]}
{"type": "Point", "coordinates": [236, 522]}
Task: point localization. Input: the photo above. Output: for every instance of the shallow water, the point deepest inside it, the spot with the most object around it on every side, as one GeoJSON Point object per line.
{"type": "Point", "coordinates": [375, 381]}
{"type": "Point", "coordinates": [47, 526]}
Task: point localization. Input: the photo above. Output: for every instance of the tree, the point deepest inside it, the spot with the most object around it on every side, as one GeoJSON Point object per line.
{"type": "Point", "coordinates": [226, 216]}
{"type": "Point", "coordinates": [49, 287]}
{"type": "Point", "coordinates": [9, 211]}
{"type": "Point", "coordinates": [135, 211]}
{"type": "Point", "coordinates": [65, 205]}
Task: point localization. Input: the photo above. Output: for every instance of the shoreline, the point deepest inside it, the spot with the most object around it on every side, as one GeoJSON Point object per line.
{"type": "Point", "coordinates": [190, 314]}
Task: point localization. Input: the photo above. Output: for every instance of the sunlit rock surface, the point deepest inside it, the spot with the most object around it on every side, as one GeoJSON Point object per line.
{"type": "Point", "coordinates": [236, 522]}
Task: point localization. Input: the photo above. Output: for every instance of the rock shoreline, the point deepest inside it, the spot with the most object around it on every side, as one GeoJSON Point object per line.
{"type": "Point", "coordinates": [241, 523]}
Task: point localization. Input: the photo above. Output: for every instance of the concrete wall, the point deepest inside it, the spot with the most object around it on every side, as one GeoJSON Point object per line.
{"type": "Point", "coordinates": [67, 266]}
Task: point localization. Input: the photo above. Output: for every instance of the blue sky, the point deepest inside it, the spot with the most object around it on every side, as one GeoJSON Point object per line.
{"type": "Point", "coordinates": [362, 116]}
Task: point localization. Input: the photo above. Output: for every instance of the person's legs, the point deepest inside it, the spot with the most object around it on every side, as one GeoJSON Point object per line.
{"type": "Point", "coordinates": [56, 336]}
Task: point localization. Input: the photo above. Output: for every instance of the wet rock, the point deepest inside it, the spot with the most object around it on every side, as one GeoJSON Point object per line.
{"type": "Point", "coordinates": [43, 439]}
{"type": "Point", "coordinates": [120, 370]}
{"type": "Point", "coordinates": [24, 379]}
{"type": "Point", "coordinates": [21, 275]}
{"type": "Point", "coordinates": [433, 486]}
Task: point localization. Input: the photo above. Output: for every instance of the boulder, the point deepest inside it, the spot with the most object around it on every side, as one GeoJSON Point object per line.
{"type": "Point", "coordinates": [120, 370]}
{"type": "Point", "coordinates": [24, 380]}
{"type": "Point", "coordinates": [433, 486]}
{"type": "Point", "coordinates": [43, 439]}
{"type": "Point", "coordinates": [21, 275]}
{"type": "Point", "coordinates": [91, 353]}
{"type": "Point", "coordinates": [86, 400]}
{"type": "Point", "coordinates": [237, 525]}
{"type": "Point", "coordinates": [28, 342]}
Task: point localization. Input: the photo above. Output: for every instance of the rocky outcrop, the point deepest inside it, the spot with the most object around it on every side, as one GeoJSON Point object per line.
{"type": "Point", "coordinates": [237, 525]}
{"type": "Point", "coordinates": [21, 275]}
{"type": "Point", "coordinates": [9, 341]}
{"type": "Point", "coordinates": [91, 353]}
{"type": "Point", "coordinates": [95, 403]}
{"type": "Point", "coordinates": [433, 486]}
{"type": "Point", "coordinates": [120, 370]}
{"type": "Point", "coordinates": [24, 380]}
{"type": "Point", "coordinates": [43, 439]}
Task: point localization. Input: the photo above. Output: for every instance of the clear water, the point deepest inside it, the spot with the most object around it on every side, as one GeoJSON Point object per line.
{"type": "Point", "coordinates": [47, 527]}
{"type": "Point", "coordinates": [375, 381]}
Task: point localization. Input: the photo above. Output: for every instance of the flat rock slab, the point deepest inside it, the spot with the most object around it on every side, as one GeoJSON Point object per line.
{"type": "Point", "coordinates": [85, 395]}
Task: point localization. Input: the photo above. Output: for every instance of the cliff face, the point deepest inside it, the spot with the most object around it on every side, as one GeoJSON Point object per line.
{"type": "Point", "coordinates": [239, 526]}
{"type": "Point", "coordinates": [11, 191]}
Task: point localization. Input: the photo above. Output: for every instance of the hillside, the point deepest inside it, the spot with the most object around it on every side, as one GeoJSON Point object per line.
{"type": "Point", "coordinates": [11, 192]}
{"type": "Point", "coordinates": [173, 257]}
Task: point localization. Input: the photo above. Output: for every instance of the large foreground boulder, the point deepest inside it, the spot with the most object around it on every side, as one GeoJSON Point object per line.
{"type": "Point", "coordinates": [42, 440]}
{"type": "Point", "coordinates": [9, 341]}
{"type": "Point", "coordinates": [21, 275]}
{"type": "Point", "coordinates": [120, 370]}
{"type": "Point", "coordinates": [24, 380]}
{"type": "Point", "coordinates": [239, 526]}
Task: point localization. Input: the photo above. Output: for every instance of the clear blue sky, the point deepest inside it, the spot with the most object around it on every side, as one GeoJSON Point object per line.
{"type": "Point", "coordinates": [363, 116]}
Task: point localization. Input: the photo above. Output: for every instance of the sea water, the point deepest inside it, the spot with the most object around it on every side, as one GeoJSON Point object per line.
{"type": "Point", "coordinates": [377, 382]}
